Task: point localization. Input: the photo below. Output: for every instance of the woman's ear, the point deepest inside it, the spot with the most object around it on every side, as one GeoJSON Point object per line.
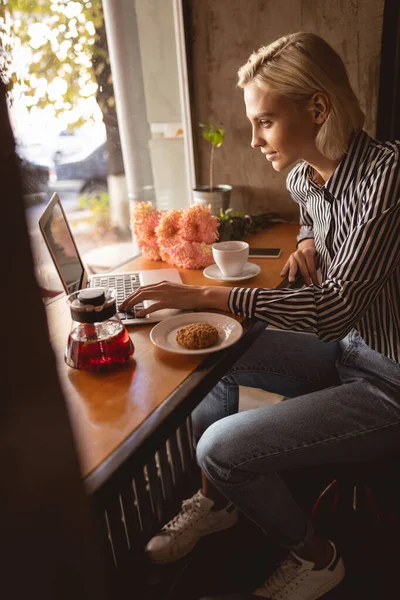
{"type": "Point", "coordinates": [319, 107]}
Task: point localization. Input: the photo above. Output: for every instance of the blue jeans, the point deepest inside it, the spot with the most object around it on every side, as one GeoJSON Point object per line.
{"type": "Point", "coordinates": [343, 406]}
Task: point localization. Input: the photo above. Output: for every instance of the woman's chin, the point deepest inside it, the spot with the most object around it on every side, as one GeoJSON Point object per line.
{"type": "Point", "coordinates": [281, 165]}
{"type": "Point", "coordinates": [277, 165]}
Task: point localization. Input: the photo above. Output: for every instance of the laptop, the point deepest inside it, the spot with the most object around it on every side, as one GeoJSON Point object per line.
{"type": "Point", "coordinates": [63, 249]}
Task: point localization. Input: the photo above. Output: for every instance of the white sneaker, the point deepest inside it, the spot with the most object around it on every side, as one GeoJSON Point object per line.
{"type": "Point", "coordinates": [296, 579]}
{"type": "Point", "coordinates": [196, 519]}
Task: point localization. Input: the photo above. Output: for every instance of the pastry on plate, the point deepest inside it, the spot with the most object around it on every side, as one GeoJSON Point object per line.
{"type": "Point", "coordinates": [197, 336]}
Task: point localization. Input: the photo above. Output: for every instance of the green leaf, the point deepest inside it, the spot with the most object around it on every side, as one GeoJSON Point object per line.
{"type": "Point", "coordinates": [214, 135]}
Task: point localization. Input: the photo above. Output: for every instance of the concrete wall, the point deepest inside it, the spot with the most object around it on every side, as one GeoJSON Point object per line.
{"type": "Point", "coordinates": [221, 36]}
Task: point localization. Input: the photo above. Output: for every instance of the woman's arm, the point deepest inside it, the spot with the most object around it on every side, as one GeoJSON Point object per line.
{"type": "Point", "coordinates": [176, 295]}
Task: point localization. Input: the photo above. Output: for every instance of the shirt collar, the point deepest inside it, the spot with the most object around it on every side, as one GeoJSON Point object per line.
{"type": "Point", "coordinates": [346, 169]}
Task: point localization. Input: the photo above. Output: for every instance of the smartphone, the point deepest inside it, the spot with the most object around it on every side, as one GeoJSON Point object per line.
{"type": "Point", "coordinates": [264, 252]}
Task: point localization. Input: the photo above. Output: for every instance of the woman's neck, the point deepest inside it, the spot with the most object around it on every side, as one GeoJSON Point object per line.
{"type": "Point", "coordinates": [323, 167]}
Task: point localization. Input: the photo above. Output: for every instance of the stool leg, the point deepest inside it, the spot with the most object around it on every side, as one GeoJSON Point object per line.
{"type": "Point", "coordinates": [325, 509]}
{"type": "Point", "coordinates": [323, 495]}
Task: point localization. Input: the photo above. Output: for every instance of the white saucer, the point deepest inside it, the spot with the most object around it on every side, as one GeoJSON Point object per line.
{"type": "Point", "coordinates": [163, 335]}
{"type": "Point", "coordinates": [249, 270]}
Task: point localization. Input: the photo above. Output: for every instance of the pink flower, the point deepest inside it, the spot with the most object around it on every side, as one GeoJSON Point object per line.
{"type": "Point", "coordinates": [198, 225]}
{"type": "Point", "coordinates": [190, 255]}
{"type": "Point", "coordinates": [145, 219]}
{"type": "Point", "coordinates": [168, 228]}
{"type": "Point", "coordinates": [149, 252]}
{"type": "Point", "coordinates": [179, 237]}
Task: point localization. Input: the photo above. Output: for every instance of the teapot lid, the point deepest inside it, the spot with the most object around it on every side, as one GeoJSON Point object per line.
{"type": "Point", "coordinates": [93, 296]}
{"type": "Point", "coordinates": [92, 305]}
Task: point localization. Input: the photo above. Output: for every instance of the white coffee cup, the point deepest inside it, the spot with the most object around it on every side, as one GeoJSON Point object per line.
{"type": "Point", "coordinates": [230, 257]}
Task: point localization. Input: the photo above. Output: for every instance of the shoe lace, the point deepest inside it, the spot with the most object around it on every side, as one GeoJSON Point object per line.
{"type": "Point", "coordinates": [191, 511]}
{"type": "Point", "coordinates": [287, 571]}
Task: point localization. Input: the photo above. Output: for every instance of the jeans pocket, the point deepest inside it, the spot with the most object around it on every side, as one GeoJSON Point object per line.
{"type": "Point", "coordinates": [349, 354]}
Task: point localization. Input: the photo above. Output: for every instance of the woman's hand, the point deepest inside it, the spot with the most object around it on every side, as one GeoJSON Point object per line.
{"type": "Point", "coordinates": [305, 261]}
{"type": "Point", "coordinates": [176, 295]}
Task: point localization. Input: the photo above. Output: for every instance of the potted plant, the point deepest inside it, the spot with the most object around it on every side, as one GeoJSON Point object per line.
{"type": "Point", "coordinates": [235, 225]}
{"type": "Point", "coordinates": [216, 196]}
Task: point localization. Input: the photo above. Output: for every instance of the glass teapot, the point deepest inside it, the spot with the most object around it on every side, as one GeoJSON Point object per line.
{"type": "Point", "coordinates": [98, 340]}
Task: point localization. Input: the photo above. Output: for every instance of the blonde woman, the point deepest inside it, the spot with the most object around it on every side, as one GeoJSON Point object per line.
{"type": "Point", "coordinates": [342, 380]}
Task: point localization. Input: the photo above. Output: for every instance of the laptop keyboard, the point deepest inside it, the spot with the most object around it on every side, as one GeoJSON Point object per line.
{"type": "Point", "coordinates": [124, 285]}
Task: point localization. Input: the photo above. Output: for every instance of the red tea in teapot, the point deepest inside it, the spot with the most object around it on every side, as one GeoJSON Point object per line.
{"type": "Point", "coordinates": [98, 340]}
{"type": "Point", "coordinates": [98, 352]}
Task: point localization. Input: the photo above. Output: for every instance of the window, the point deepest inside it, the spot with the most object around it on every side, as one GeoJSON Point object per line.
{"type": "Point", "coordinates": [64, 114]}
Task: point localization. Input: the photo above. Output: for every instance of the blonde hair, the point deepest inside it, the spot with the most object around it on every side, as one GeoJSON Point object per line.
{"type": "Point", "coordinates": [297, 66]}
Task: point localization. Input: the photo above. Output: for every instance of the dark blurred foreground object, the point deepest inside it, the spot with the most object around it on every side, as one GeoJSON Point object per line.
{"type": "Point", "coordinates": [35, 182]}
{"type": "Point", "coordinates": [47, 539]}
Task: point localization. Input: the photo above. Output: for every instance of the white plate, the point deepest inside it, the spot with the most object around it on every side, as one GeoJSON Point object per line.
{"type": "Point", "coordinates": [163, 334]}
{"type": "Point", "coordinates": [249, 270]}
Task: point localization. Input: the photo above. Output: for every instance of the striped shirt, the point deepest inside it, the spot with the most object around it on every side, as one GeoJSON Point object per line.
{"type": "Point", "coordinates": [354, 219]}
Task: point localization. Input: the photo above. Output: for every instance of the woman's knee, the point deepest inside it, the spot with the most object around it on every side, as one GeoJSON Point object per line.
{"type": "Point", "coordinates": [208, 446]}
{"type": "Point", "coordinates": [221, 402]}
{"type": "Point", "coordinates": [214, 453]}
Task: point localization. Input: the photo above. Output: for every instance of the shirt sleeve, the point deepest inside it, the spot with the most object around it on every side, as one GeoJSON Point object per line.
{"type": "Point", "coordinates": [355, 277]}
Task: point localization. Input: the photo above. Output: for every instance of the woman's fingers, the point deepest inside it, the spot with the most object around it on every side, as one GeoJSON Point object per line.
{"type": "Point", "coordinates": [303, 263]}
{"type": "Point", "coordinates": [146, 292]}
{"type": "Point", "coordinates": [293, 265]}
{"type": "Point", "coordinates": [312, 269]}
{"type": "Point", "coordinates": [285, 268]}
{"type": "Point", "coordinates": [131, 300]}
{"type": "Point", "coordinates": [151, 308]}
{"type": "Point", "coordinates": [166, 295]}
{"type": "Point", "coordinates": [293, 268]}
{"type": "Point", "coordinates": [304, 269]}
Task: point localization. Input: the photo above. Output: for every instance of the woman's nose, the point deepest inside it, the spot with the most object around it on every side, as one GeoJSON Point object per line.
{"type": "Point", "coordinates": [256, 140]}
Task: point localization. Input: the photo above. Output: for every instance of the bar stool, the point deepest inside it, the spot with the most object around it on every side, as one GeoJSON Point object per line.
{"type": "Point", "coordinates": [360, 511]}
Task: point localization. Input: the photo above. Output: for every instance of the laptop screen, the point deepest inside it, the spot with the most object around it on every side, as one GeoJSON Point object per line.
{"type": "Point", "coordinates": [62, 247]}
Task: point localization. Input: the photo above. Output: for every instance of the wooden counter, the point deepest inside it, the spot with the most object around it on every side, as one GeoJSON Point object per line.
{"type": "Point", "coordinates": [106, 408]}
